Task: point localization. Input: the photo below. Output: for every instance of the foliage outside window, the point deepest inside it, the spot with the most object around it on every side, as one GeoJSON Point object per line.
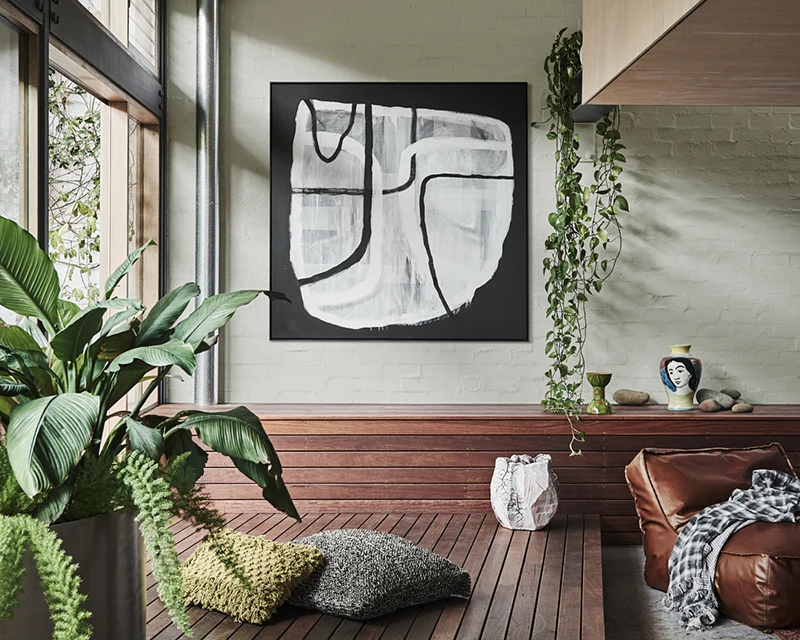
{"type": "Point", "coordinates": [75, 124]}
{"type": "Point", "coordinates": [586, 237]}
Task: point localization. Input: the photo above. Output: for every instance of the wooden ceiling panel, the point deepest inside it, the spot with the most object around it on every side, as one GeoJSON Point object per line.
{"type": "Point", "coordinates": [725, 52]}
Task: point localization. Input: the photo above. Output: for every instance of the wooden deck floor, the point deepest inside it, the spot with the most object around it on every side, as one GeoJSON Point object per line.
{"type": "Point", "coordinates": [541, 585]}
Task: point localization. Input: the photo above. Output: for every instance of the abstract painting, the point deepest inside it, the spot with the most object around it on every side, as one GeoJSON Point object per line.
{"type": "Point", "coordinates": [399, 211]}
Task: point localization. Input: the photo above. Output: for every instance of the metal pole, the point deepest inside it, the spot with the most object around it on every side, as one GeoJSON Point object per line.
{"type": "Point", "coordinates": [206, 377]}
{"type": "Point", "coordinates": [43, 129]}
{"type": "Point", "coordinates": [163, 240]}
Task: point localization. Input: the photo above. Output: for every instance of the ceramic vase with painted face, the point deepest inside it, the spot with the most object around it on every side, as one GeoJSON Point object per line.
{"type": "Point", "coordinates": [680, 375]}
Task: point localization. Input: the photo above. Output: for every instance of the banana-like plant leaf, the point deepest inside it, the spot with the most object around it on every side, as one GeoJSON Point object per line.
{"type": "Point", "coordinates": [11, 389]}
{"type": "Point", "coordinates": [7, 405]}
{"type": "Point", "coordinates": [67, 310]}
{"type": "Point", "coordinates": [116, 320]}
{"type": "Point", "coordinates": [272, 486]}
{"type": "Point", "coordinates": [33, 330]}
{"type": "Point", "coordinates": [53, 506]}
{"type": "Point", "coordinates": [205, 345]}
{"type": "Point", "coordinates": [122, 270]}
{"type": "Point", "coordinates": [236, 433]}
{"type": "Point", "coordinates": [16, 358]}
{"type": "Point", "coordinates": [157, 325]}
{"type": "Point", "coordinates": [142, 438]}
{"type": "Point", "coordinates": [47, 437]}
{"type": "Point", "coordinates": [116, 304]}
{"type": "Point", "coordinates": [70, 342]}
{"type": "Point", "coordinates": [170, 353]}
{"type": "Point", "coordinates": [17, 339]}
{"type": "Point", "coordinates": [112, 346]}
{"type": "Point", "coordinates": [28, 279]}
{"type": "Point", "coordinates": [28, 363]}
{"type": "Point", "coordinates": [277, 295]}
{"type": "Point", "coordinates": [181, 442]}
{"type": "Point", "coordinates": [213, 313]}
{"type": "Point", "coordinates": [127, 378]}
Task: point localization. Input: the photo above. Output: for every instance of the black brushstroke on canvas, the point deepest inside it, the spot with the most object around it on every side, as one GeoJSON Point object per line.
{"type": "Point", "coordinates": [499, 310]}
{"type": "Point", "coordinates": [315, 132]}
{"type": "Point", "coordinates": [412, 174]}
{"type": "Point", "coordinates": [366, 231]}
{"type": "Point", "coordinates": [424, 227]}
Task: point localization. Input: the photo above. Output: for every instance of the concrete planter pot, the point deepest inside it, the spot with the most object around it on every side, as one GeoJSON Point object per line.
{"type": "Point", "coordinates": [110, 554]}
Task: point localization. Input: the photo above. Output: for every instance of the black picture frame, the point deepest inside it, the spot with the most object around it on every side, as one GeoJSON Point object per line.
{"type": "Point", "coordinates": [499, 310]}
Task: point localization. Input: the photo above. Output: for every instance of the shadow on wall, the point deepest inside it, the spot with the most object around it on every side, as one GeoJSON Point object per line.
{"type": "Point", "coordinates": [710, 254]}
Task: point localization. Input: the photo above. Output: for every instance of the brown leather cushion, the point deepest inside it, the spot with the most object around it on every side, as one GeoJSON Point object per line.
{"type": "Point", "coordinates": [671, 486]}
{"type": "Point", "coordinates": [758, 575]}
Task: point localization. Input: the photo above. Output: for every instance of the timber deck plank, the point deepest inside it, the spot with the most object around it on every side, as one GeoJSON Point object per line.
{"type": "Point", "coordinates": [526, 585]}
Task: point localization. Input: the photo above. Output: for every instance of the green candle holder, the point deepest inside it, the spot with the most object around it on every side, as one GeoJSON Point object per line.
{"type": "Point", "coordinates": [599, 406]}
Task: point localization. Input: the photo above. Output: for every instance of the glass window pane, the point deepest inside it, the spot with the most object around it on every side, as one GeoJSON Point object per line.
{"type": "Point", "coordinates": [143, 28]}
{"type": "Point", "coordinates": [94, 6]}
{"type": "Point", "coordinates": [11, 133]}
{"type": "Point", "coordinates": [10, 123]}
{"type": "Point", "coordinates": [75, 188]}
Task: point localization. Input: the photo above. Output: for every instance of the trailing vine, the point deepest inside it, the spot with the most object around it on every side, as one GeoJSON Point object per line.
{"type": "Point", "coordinates": [57, 575]}
{"type": "Point", "coordinates": [586, 238]}
{"type": "Point", "coordinates": [152, 496]}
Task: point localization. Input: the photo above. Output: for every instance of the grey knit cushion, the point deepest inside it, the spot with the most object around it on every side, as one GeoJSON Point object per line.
{"type": "Point", "coordinates": [368, 573]}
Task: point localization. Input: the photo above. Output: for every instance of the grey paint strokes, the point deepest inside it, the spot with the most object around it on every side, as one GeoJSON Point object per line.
{"type": "Point", "coordinates": [398, 215]}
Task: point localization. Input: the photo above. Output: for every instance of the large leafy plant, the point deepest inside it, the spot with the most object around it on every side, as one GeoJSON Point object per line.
{"type": "Point", "coordinates": [72, 451]}
{"type": "Point", "coordinates": [586, 237]}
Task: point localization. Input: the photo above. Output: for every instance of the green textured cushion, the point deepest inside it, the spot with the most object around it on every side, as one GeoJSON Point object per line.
{"type": "Point", "coordinates": [273, 569]}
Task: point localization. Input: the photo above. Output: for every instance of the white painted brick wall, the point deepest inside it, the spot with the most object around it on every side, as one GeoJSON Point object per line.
{"type": "Point", "coordinates": [711, 246]}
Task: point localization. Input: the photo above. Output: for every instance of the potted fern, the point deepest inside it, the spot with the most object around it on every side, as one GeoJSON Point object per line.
{"type": "Point", "coordinates": [73, 470]}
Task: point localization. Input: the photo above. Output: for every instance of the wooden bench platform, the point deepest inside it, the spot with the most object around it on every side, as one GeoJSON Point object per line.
{"type": "Point", "coordinates": [440, 458]}
{"type": "Point", "coordinates": [544, 585]}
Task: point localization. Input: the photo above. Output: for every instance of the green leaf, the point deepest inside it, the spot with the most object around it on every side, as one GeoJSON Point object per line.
{"type": "Point", "coordinates": [28, 279]}
{"type": "Point", "coordinates": [180, 442]}
{"type": "Point", "coordinates": [110, 347]}
{"type": "Point", "coordinates": [621, 203]}
{"type": "Point", "coordinates": [32, 329]}
{"type": "Point", "coordinates": [122, 270]}
{"type": "Point", "coordinates": [145, 439]}
{"type": "Point", "coordinates": [11, 389]}
{"type": "Point", "coordinates": [16, 339]}
{"type": "Point", "coordinates": [117, 319]}
{"type": "Point", "coordinates": [273, 488]}
{"type": "Point", "coordinates": [603, 235]}
{"type": "Point", "coordinates": [67, 310]}
{"type": "Point", "coordinates": [206, 345]}
{"type": "Point", "coordinates": [47, 437]}
{"type": "Point", "coordinates": [70, 342]}
{"type": "Point", "coordinates": [212, 314]}
{"type": "Point", "coordinates": [170, 353]}
{"type": "Point", "coordinates": [236, 433]}
{"type": "Point", "coordinates": [126, 379]}
{"type": "Point", "coordinates": [157, 326]}
{"type": "Point", "coordinates": [57, 500]}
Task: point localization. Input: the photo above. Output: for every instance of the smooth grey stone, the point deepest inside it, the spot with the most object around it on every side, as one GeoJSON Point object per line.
{"type": "Point", "coordinates": [710, 406]}
{"type": "Point", "coordinates": [631, 397]}
{"type": "Point", "coordinates": [742, 407]}
{"type": "Point", "coordinates": [725, 401]}
{"type": "Point", "coordinates": [733, 393]}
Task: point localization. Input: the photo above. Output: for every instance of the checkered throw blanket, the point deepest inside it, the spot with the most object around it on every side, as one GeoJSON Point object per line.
{"type": "Point", "coordinates": [773, 497]}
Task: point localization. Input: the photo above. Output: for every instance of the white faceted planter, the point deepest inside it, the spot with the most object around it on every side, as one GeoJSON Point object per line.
{"type": "Point", "coordinates": [524, 492]}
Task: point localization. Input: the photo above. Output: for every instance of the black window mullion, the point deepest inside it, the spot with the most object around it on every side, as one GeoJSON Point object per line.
{"type": "Point", "coordinates": [43, 128]}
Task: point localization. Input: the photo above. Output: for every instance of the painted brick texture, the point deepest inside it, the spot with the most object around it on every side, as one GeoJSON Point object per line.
{"type": "Point", "coordinates": [711, 244]}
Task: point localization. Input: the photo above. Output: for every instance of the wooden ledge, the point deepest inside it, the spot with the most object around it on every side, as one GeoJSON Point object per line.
{"type": "Point", "coordinates": [507, 419]}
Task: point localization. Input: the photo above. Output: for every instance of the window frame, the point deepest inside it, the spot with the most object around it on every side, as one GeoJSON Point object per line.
{"type": "Point", "coordinates": [64, 35]}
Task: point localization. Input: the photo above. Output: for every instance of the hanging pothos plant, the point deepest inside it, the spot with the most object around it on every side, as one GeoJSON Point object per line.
{"type": "Point", "coordinates": [586, 237]}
